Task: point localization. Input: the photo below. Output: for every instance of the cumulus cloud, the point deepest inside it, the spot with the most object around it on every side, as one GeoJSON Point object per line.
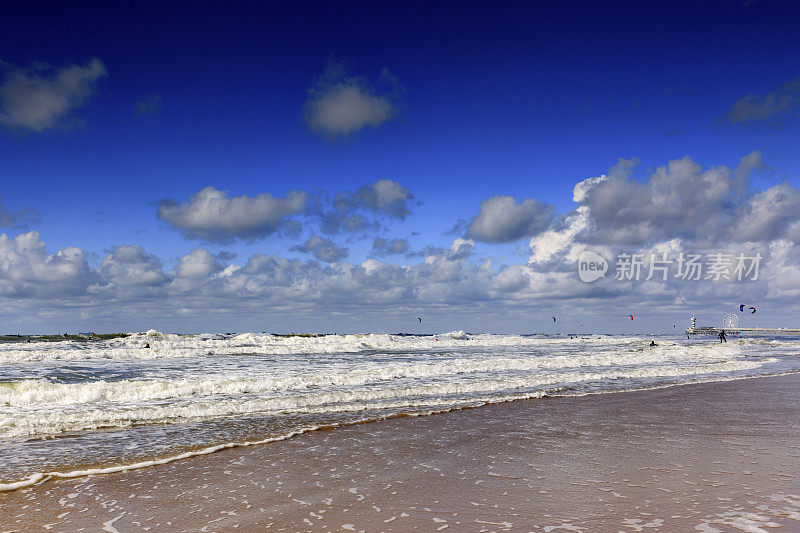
{"type": "Point", "coordinates": [336, 221]}
{"type": "Point", "coordinates": [340, 104]}
{"type": "Point", "coordinates": [675, 200]}
{"type": "Point", "coordinates": [460, 249]}
{"type": "Point", "coordinates": [213, 216]}
{"type": "Point", "coordinates": [711, 217]}
{"type": "Point", "coordinates": [385, 196]}
{"type": "Point", "coordinates": [198, 263]}
{"type": "Point", "coordinates": [323, 249]}
{"type": "Point", "coordinates": [41, 98]}
{"type": "Point", "coordinates": [560, 237]}
{"type": "Point", "coordinates": [381, 246]}
{"type": "Point", "coordinates": [680, 199]}
{"type": "Point", "coordinates": [680, 208]}
{"type": "Point", "coordinates": [512, 279]}
{"type": "Point", "coordinates": [27, 269]}
{"type": "Point", "coordinates": [20, 218]}
{"type": "Point", "coordinates": [782, 103]}
{"type": "Point", "coordinates": [365, 208]}
{"type": "Point", "coordinates": [502, 219]}
{"type": "Point", "coordinates": [767, 215]}
{"type": "Point", "coordinates": [132, 266]}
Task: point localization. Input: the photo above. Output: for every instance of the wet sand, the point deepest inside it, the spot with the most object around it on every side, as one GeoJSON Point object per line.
{"type": "Point", "coordinates": [704, 457]}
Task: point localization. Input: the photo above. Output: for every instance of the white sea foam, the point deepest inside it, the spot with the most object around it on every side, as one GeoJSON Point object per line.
{"type": "Point", "coordinates": [38, 407]}
{"type": "Point", "coordinates": [176, 346]}
{"type": "Point", "coordinates": [38, 476]}
{"type": "Point", "coordinates": [52, 388]}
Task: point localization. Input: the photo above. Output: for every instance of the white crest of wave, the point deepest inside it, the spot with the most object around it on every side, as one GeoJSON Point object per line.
{"type": "Point", "coordinates": [166, 345]}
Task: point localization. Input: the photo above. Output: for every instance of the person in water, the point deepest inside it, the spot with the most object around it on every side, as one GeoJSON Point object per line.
{"type": "Point", "coordinates": [722, 337]}
{"type": "Point", "coordinates": [653, 343]}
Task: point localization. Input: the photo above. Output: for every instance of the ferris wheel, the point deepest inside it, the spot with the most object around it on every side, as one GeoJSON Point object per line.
{"type": "Point", "coordinates": [730, 321]}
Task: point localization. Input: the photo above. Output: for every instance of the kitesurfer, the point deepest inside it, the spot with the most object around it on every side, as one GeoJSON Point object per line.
{"type": "Point", "coordinates": [653, 343]}
{"type": "Point", "coordinates": [722, 337]}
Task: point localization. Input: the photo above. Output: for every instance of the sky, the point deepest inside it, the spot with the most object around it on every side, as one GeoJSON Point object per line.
{"type": "Point", "coordinates": [313, 167]}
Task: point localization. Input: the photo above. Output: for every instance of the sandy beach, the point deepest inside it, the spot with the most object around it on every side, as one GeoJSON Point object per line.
{"type": "Point", "coordinates": [707, 457]}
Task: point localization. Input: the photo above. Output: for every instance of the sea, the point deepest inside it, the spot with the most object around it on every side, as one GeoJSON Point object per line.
{"type": "Point", "coordinates": [80, 406]}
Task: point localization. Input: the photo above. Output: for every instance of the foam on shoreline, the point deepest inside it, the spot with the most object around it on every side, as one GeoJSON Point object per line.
{"type": "Point", "coordinates": [43, 476]}
{"type": "Point", "coordinates": [708, 457]}
{"type": "Point", "coordinates": [39, 476]}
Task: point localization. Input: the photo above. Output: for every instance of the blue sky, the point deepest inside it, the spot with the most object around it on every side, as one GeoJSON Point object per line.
{"type": "Point", "coordinates": [109, 115]}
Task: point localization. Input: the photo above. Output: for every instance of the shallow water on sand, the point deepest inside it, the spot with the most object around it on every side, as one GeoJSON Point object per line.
{"type": "Point", "coordinates": [72, 405]}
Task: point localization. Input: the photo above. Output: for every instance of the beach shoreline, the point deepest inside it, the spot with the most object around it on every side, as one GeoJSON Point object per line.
{"type": "Point", "coordinates": [712, 456]}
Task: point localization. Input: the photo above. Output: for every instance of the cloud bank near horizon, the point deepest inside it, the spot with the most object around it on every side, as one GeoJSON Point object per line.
{"type": "Point", "coordinates": [679, 208]}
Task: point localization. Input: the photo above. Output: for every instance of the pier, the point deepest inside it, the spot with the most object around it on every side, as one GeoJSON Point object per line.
{"type": "Point", "coordinates": [731, 327]}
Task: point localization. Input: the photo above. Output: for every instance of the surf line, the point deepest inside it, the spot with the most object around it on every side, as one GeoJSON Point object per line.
{"type": "Point", "coordinates": [39, 476]}
{"type": "Point", "coordinates": [42, 476]}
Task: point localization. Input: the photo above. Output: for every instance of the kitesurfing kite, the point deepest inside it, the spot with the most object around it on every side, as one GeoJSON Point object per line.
{"type": "Point", "coordinates": [752, 310]}
{"type": "Point", "coordinates": [631, 316]}
{"type": "Point", "coordinates": [741, 308]}
{"type": "Point", "coordinates": [418, 318]}
{"type": "Point", "coordinates": [554, 319]}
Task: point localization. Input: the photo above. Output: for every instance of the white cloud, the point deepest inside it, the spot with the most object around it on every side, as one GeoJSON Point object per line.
{"type": "Point", "coordinates": [339, 104]}
{"type": "Point", "coordinates": [198, 263]}
{"type": "Point", "coordinates": [26, 269]}
{"type": "Point", "coordinates": [512, 279]}
{"type": "Point", "coordinates": [132, 266]}
{"type": "Point", "coordinates": [502, 219]}
{"type": "Point", "coordinates": [680, 199]}
{"type": "Point", "coordinates": [784, 281]}
{"type": "Point", "coordinates": [767, 215]}
{"type": "Point", "coordinates": [365, 208]}
{"type": "Point", "coordinates": [560, 237]}
{"type": "Point", "coordinates": [381, 246]}
{"type": "Point", "coordinates": [582, 187]}
{"type": "Point", "coordinates": [385, 196]}
{"type": "Point", "coordinates": [460, 249]}
{"type": "Point", "coordinates": [213, 216]}
{"type": "Point", "coordinates": [452, 278]}
{"type": "Point", "coordinates": [41, 98]}
{"type": "Point", "coordinates": [323, 249]}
